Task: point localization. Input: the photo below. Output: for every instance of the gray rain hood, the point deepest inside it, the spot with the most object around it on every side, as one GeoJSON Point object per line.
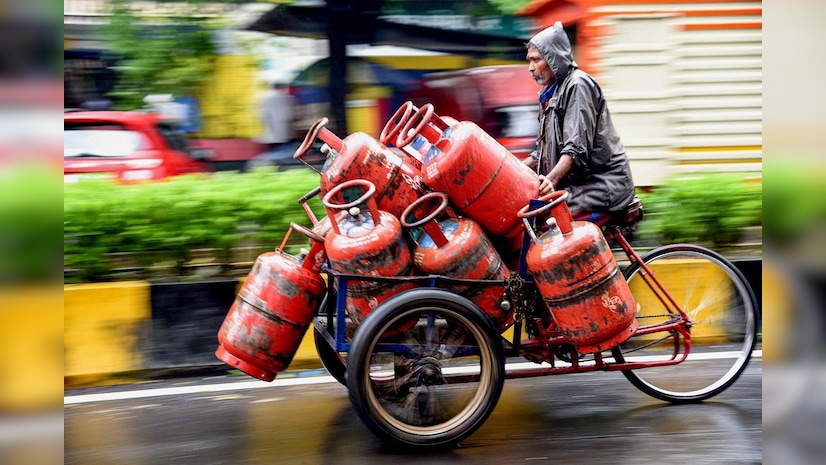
{"type": "Point", "coordinates": [554, 45]}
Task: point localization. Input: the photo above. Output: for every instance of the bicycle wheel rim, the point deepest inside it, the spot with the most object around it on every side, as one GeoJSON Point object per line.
{"type": "Point", "coordinates": [437, 376]}
{"type": "Point", "coordinates": [439, 413]}
{"type": "Point", "coordinates": [722, 309]}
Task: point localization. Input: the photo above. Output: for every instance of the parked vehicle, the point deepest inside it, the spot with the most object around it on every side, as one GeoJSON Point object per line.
{"type": "Point", "coordinates": [502, 100]}
{"type": "Point", "coordinates": [128, 146]}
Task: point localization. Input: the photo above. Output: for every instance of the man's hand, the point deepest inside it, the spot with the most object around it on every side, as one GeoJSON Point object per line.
{"type": "Point", "coordinates": [545, 186]}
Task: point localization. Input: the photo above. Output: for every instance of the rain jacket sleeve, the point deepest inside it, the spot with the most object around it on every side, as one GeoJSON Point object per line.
{"type": "Point", "coordinates": [578, 103]}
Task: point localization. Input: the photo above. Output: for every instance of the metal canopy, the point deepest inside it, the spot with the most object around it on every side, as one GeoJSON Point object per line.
{"type": "Point", "coordinates": [345, 22]}
{"type": "Point", "coordinates": [367, 28]}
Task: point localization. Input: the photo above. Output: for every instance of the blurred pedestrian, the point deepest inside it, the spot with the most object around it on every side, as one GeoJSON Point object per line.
{"type": "Point", "coordinates": [578, 148]}
{"type": "Point", "coordinates": [277, 116]}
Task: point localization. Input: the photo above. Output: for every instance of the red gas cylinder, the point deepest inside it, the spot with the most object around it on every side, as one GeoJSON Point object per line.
{"type": "Point", "coordinates": [265, 325]}
{"type": "Point", "coordinates": [366, 243]}
{"type": "Point", "coordinates": [418, 147]}
{"type": "Point", "coordinates": [576, 273]}
{"type": "Point", "coordinates": [480, 177]}
{"type": "Point", "coordinates": [458, 248]}
{"type": "Point", "coordinates": [359, 156]}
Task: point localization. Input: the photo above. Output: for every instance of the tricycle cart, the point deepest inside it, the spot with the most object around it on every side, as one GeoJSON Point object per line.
{"type": "Point", "coordinates": [426, 367]}
{"type": "Point", "coordinates": [421, 341]}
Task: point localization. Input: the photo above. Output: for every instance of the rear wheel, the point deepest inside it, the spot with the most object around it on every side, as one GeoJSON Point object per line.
{"type": "Point", "coordinates": [332, 361]}
{"type": "Point", "coordinates": [723, 313]}
{"type": "Point", "coordinates": [434, 383]}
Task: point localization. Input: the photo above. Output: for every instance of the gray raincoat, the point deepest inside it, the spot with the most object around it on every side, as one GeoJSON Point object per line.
{"type": "Point", "coordinates": [576, 122]}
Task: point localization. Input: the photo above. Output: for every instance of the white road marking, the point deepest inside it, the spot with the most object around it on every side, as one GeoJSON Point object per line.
{"type": "Point", "coordinates": [175, 391]}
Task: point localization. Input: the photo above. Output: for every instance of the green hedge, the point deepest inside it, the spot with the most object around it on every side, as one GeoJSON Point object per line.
{"type": "Point", "coordinates": [29, 215]}
{"type": "Point", "coordinates": [710, 209]}
{"type": "Point", "coordinates": [162, 225]}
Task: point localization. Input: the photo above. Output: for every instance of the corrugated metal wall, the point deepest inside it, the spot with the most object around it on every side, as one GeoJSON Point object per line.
{"type": "Point", "coordinates": [684, 84]}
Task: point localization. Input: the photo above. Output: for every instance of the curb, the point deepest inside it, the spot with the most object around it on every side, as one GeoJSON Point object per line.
{"type": "Point", "coordinates": [130, 331]}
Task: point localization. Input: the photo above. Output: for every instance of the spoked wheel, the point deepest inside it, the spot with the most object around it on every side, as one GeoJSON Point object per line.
{"type": "Point", "coordinates": [433, 384]}
{"type": "Point", "coordinates": [723, 313]}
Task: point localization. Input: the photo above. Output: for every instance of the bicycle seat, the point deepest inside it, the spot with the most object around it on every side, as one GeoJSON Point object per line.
{"type": "Point", "coordinates": [628, 218]}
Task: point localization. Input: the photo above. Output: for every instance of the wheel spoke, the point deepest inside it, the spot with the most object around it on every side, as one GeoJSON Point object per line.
{"type": "Point", "coordinates": [722, 313]}
{"type": "Point", "coordinates": [432, 384]}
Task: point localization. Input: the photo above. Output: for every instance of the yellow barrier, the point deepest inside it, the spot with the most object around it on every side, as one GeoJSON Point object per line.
{"type": "Point", "coordinates": [106, 331]}
{"type": "Point", "coordinates": [31, 328]}
{"type": "Point", "coordinates": [104, 326]}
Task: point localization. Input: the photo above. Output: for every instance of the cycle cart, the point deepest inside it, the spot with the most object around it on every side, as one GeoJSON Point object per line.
{"type": "Point", "coordinates": [426, 367]}
{"type": "Point", "coordinates": [422, 353]}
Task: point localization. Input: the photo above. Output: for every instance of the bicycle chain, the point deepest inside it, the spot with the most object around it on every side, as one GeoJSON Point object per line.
{"type": "Point", "coordinates": [524, 302]}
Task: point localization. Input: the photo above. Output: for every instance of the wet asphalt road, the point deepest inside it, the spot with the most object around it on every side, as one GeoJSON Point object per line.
{"type": "Point", "coordinates": [592, 418]}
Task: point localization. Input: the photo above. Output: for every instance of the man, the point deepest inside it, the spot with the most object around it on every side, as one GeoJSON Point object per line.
{"type": "Point", "coordinates": [578, 149]}
{"type": "Point", "coordinates": [277, 116]}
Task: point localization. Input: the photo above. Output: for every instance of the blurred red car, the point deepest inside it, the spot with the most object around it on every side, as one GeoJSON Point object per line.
{"type": "Point", "coordinates": [127, 145]}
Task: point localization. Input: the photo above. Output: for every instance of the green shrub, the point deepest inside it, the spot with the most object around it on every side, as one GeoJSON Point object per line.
{"type": "Point", "coordinates": [710, 209]}
{"type": "Point", "coordinates": [795, 200]}
{"type": "Point", "coordinates": [29, 214]}
{"type": "Point", "coordinates": [162, 223]}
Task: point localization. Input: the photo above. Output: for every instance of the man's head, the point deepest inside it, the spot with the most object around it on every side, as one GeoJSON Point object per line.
{"type": "Point", "coordinates": [540, 71]}
{"type": "Point", "coordinates": [549, 55]}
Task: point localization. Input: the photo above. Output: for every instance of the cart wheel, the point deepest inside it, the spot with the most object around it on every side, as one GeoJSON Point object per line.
{"type": "Point", "coordinates": [433, 384]}
{"type": "Point", "coordinates": [330, 359]}
{"type": "Point", "coordinates": [722, 310]}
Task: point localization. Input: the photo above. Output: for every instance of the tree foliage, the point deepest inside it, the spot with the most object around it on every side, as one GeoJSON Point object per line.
{"type": "Point", "coordinates": [508, 7]}
{"type": "Point", "coordinates": [169, 54]}
{"type": "Point", "coordinates": [466, 7]}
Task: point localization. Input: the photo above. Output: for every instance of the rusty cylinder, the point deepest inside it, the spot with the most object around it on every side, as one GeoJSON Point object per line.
{"type": "Point", "coordinates": [366, 243]}
{"type": "Point", "coordinates": [359, 156]}
{"type": "Point", "coordinates": [458, 248]}
{"type": "Point", "coordinates": [480, 177]}
{"type": "Point", "coordinates": [578, 277]}
{"type": "Point", "coordinates": [273, 309]}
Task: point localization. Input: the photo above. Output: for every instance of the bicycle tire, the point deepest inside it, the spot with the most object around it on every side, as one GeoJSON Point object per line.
{"type": "Point", "coordinates": [722, 308]}
{"type": "Point", "coordinates": [435, 383]}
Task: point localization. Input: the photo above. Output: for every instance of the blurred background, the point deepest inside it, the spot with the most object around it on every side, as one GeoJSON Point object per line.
{"type": "Point", "coordinates": [684, 80]}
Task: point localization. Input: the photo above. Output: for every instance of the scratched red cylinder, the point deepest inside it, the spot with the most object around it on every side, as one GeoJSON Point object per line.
{"type": "Point", "coordinates": [458, 248]}
{"type": "Point", "coordinates": [272, 311]}
{"type": "Point", "coordinates": [579, 279]}
{"type": "Point", "coordinates": [480, 177]}
{"type": "Point", "coordinates": [365, 243]}
{"type": "Point", "coordinates": [417, 148]}
{"type": "Point", "coordinates": [360, 156]}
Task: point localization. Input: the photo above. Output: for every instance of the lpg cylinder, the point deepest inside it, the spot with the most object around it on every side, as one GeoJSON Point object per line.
{"type": "Point", "coordinates": [458, 248]}
{"type": "Point", "coordinates": [360, 156]}
{"type": "Point", "coordinates": [273, 309]}
{"type": "Point", "coordinates": [480, 177]}
{"type": "Point", "coordinates": [417, 149]}
{"type": "Point", "coordinates": [579, 279]}
{"type": "Point", "coordinates": [366, 243]}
